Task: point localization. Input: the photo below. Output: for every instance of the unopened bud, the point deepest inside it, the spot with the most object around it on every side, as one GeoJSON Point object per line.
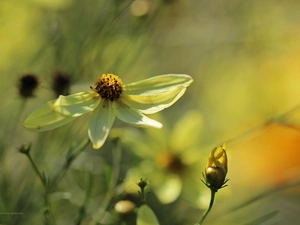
{"type": "Point", "coordinates": [25, 149]}
{"type": "Point", "coordinates": [142, 183]}
{"type": "Point", "coordinates": [216, 169]}
{"type": "Point", "coordinates": [215, 177]}
{"type": "Point", "coordinates": [125, 207]}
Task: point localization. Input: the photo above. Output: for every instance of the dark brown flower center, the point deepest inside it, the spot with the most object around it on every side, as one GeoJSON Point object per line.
{"type": "Point", "coordinates": [109, 86]}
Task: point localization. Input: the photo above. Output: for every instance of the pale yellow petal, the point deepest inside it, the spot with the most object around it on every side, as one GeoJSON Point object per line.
{"type": "Point", "coordinates": [77, 104]}
{"type": "Point", "coordinates": [100, 123]}
{"type": "Point", "coordinates": [169, 189]}
{"type": "Point", "coordinates": [45, 118]}
{"type": "Point", "coordinates": [132, 116]}
{"type": "Point", "coordinates": [158, 84]}
{"type": "Point", "coordinates": [145, 216]}
{"type": "Point", "coordinates": [149, 104]}
{"type": "Point", "coordinates": [187, 131]}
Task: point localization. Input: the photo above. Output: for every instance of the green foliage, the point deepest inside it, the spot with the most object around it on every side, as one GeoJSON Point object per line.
{"type": "Point", "coordinates": [263, 219]}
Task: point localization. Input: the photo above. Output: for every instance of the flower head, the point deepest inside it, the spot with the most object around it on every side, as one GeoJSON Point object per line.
{"type": "Point", "coordinates": [216, 169]}
{"type": "Point", "coordinates": [61, 83]}
{"type": "Point", "coordinates": [108, 99]}
{"type": "Point", "coordinates": [169, 158]}
{"type": "Point", "coordinates": [27, 84]}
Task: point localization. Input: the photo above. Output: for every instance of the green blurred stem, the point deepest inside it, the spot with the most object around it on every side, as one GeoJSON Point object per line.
{"type": "Point", "coordinates": [71, 156]}
{"type": "Point", "coordinates": [212, 198]}
{"type": "Point", "coordinates": [36, 170]}
{"type": "Point", "coordinates": [116, 156]}
{"type": "Point", "coordinates": [280, 119]}
{"type": "Point", "coordinates": [48, 212]}
{"type": "Point", "coordinates": [88, 190]}
{"type": "Point", "coordinates": [15, 121]}
{"type": "Point", "coordinates": [143, 197]}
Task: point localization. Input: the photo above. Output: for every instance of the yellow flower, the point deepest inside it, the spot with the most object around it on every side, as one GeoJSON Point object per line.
{"type": "Point", "coordinates": [109, 99]}
{"type": "Point", "coordinates": [216, 168]}
{"type": "Point", "coordinates": [170, 159]}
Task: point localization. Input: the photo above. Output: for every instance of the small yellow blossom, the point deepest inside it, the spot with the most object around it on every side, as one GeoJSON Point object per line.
{"type": "Point", "coordinates": [108, 99]}
{"type": "Point", "coordinates": [170, 159]}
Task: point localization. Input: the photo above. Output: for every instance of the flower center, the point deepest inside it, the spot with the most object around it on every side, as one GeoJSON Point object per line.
{"type": "Point", "coordinates": [109, 86]}
{"type": "Point", "coordinates": [171, 162]}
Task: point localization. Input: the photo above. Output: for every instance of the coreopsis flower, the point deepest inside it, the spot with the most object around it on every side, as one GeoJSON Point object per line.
{"type": "Point", "coordinates": [108, 99]}
{"type": "Point", "coordinates": [216, 169]}
{"type": "Point", "coordinates": [169, 158]}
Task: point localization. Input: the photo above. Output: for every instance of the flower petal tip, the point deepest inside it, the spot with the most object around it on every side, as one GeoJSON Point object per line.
{"type": "Point", "coordinates": [96, 147]}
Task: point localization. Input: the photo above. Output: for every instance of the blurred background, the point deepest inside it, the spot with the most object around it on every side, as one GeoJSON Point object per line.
{"type": "Point", "coordinates": [244, 57]}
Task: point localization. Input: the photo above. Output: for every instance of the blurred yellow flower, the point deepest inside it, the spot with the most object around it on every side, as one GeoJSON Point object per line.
{"type": "Point", "coordinates": [216, 168]}
{"type": "Point", "coordinates": [109, 99]}
{"type": "Point", "coordinates": [170, 159]}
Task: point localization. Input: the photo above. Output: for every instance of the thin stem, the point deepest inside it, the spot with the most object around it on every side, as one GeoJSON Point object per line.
{"type": "Point", "coordinates": [14, 123]}
{"type": "Point", "coordinates": [48, 212]}
{"type": "Point", "coordinates": [37, 171]}
{"type": "Point", "coordinates": [117, 156]}
{"type": "Point", "coordinates": [281, 119]}
{"type": "Point", "coordinates": [143, 196]}
{"type": "Point", "coordinates": [72, 155]}
{"type": "Point", "coordinates": [88, 190]}
{"type": "Point", "coordinates": [212, 198]}
{"type": "Point", "coordinates": [258, 197]}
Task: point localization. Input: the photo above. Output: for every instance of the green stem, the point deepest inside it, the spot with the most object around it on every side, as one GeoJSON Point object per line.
{"type": "Point", "coordinates": [37, 171]}
{"type": "Point", "coordinates": [117, 156]}
{"type": "Point", "coordinates": [88, 190]}
{"type": "Point", "coordinates": [212, 198]}
{"type": "Point", "coordinates": [48, 212]}
{"type": "Point", "coordinates": [143, 196]}
{"type": "Point", "coordinates": [72, 155]}
{"type": "Point", "coordinates": [281, 119]}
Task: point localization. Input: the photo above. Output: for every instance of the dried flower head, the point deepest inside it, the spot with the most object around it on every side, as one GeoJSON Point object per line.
{"type": "Point", "coordinates": [27, 84]}
{"type": "Point", "coordinates": [61, 83]}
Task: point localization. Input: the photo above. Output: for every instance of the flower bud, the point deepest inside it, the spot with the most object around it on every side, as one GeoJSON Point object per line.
{"type": "Point", "coordinates": [142, 183]}
{"type": "Point", "coordinates": [216, 169]}
{"type": "Point", "coordinates": [125, 207]}
{"type": "Point", "coordinates": [25, 149]}
{"type": "Point", "coordinates": [140, 8]}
